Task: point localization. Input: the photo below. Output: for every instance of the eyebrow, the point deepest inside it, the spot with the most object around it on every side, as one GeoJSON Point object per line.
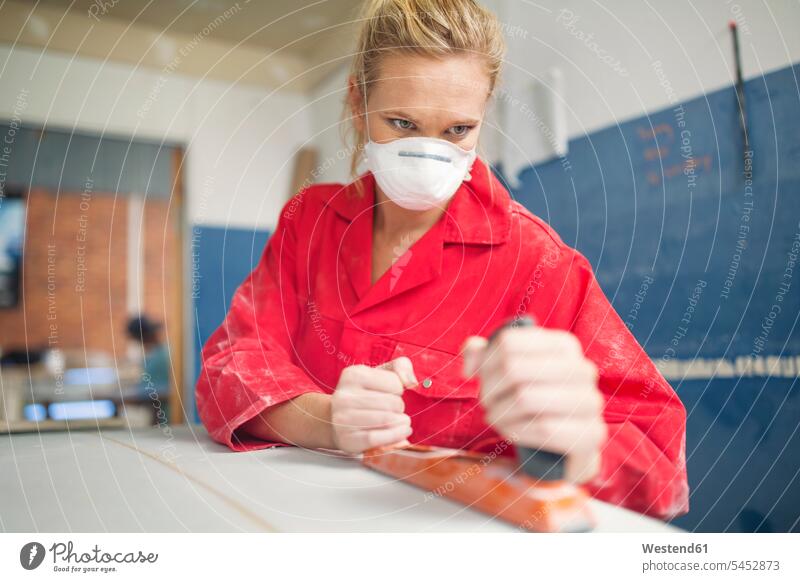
{"type": "Point", "coordinates": [397, 113]}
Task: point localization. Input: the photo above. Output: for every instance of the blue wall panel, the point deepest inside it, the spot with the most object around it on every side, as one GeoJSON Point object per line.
{"type": "Point", "coordinates": [221, 259]}
{"type": "Point", "coordinates": [695, 247]}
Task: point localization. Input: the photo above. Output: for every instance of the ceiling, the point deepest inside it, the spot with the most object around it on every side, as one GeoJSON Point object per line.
{"type": "Point", "coordinates": [315, 33]}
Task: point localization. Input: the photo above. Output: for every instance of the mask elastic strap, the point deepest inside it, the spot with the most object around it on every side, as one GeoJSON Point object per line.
{"type": "Point", "coordinates": [366, 113]}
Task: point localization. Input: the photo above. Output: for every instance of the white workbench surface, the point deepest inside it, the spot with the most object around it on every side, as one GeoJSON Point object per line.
{"type": "Point", "coordinates": [151, 480]}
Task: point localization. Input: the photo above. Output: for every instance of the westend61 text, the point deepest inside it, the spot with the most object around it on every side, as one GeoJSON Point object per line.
{"type": "Point", "coordinates": [675, 549]}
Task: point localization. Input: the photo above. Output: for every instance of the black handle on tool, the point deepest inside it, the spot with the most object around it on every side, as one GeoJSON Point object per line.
{"type": "Point", "coordinates": [542, 465]}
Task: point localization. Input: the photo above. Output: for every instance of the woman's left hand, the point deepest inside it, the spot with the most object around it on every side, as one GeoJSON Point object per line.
{"type": "Point", "coordinates": [540, 391]}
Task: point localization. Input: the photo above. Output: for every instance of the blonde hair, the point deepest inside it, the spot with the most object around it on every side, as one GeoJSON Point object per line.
{"type": "Point", "coordinates": [422, 27]}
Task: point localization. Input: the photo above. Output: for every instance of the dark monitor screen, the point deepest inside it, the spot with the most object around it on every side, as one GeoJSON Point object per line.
{"type": "Point", "coordinates": [12, 237]}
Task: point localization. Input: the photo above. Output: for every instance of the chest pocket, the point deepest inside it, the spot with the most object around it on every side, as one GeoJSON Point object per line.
{"type": "Point", "coordinates": [440, 373]}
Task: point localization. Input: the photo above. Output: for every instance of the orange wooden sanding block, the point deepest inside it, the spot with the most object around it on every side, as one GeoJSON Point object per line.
{"type": "Point", "coordinates": [495, 486]}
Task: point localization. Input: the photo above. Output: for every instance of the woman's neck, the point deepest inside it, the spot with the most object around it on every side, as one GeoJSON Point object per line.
{"type": "Point", "coordinates": [391, 221]}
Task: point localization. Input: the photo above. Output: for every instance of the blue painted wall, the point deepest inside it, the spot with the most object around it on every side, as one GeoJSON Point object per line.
{"type": "Point", "coordinates": [221, 259]}
{"type": "Point", "coordinates": [663, 208]}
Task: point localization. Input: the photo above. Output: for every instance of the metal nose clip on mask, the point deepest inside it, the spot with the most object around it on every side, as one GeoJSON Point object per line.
{"type": "Point", "coordinates": [418, 173]}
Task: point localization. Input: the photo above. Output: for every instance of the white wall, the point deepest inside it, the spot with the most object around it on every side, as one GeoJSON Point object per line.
{"type": "Point", "coordinates": [241, 154]}
{"type": "Point", "coordinates": [690, 39]}
{"type": "Point", "coordinates": [607, 53]}
{"type": "Point", "coordinates": [329, 126]}
{"type": "Point", "coordinates": [240, 140]}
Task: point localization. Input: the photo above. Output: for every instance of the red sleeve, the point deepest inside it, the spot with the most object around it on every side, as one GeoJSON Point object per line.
{"type": "Point", "coordinates": [247, 363]}
{"type": "Point", "coordinates": [644, 458]}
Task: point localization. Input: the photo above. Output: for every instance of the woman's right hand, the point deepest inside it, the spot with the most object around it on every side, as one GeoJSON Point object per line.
{"type": "Point", "coordinates": [367, 408]}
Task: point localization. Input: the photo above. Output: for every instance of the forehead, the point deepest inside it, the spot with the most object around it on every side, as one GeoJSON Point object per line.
{"type": "Point", "coordinates": [457, 84]}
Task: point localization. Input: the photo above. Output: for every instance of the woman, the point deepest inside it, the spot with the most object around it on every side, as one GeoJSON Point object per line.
{"type": "Point", "coordinates": [365, 322]}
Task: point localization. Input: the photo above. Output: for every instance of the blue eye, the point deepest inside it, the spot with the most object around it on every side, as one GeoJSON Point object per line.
{"type": "Point", "coordinates": [460, 130]}
{"type": "Point", "coordinates": [403, 124]}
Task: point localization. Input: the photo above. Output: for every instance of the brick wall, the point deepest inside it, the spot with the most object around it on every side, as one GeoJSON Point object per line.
{"type": "Point", "coordinates": [160, 280]}
{"type": "Point", "coordinates": [75, 272]}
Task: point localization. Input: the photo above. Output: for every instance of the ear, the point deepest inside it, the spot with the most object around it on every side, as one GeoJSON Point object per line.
{"type": "Point", "coordinates": [355, 101]}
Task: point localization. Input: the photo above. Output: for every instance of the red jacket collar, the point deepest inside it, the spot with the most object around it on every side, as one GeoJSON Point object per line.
{"type": "Point", "coordinates": [479, 213]}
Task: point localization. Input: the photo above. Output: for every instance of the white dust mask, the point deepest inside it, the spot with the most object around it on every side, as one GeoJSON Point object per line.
{"type": "Point", "coordinates": [418, 173]}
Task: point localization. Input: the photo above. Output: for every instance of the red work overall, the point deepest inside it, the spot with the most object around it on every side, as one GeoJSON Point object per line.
{"type": "Point", "coordinates": [308, 310]}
